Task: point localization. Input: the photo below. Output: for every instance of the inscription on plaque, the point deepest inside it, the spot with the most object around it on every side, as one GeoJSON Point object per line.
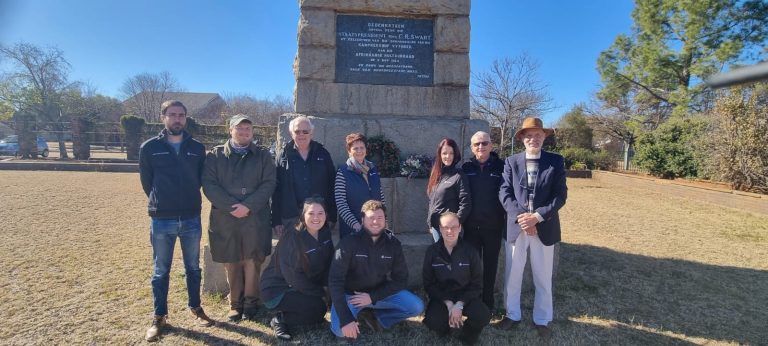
{"type": "Point", "coordinates": [384, 50]}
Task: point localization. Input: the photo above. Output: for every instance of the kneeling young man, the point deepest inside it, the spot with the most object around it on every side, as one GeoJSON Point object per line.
{"type": "Point", "coordinates": [369, 271]}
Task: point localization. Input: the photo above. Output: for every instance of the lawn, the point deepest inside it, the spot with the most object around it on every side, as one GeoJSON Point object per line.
{"type": "Point", "coordinates": [636, 267]}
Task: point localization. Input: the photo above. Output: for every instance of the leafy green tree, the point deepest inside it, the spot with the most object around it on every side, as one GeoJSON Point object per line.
{"type": "Point", "coordinates": [658, 69]}
{"type": "Point", "coordinates": [670, 150]}
{"type": "Point", "coordinates": [573, 129]}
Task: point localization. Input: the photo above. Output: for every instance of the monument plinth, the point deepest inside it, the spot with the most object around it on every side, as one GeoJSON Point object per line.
{"type": "Point", "coordinates": [397, 68]}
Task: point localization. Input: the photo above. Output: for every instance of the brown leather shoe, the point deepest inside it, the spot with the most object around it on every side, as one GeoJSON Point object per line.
{"type": "Point", "coordinates": [544, 332]}
{"type": "Point", "coordinates": [158, 324]}
{"type": "Point", "coordinates": [507, 323]}
{"type": "Point", "coordinates": [201, 318]}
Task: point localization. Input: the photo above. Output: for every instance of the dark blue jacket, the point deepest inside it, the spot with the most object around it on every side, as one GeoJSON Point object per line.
{"type": "Point", "coordinates": [170, 180]}
{"type": "Point", "coordinates": [549, 195]}
{"type": "Point", "coordinates": [487, 212]}
{"type": "Point", "coordinates": [351, 192]}
{"type": "Point", "coordinates": [288, 199]}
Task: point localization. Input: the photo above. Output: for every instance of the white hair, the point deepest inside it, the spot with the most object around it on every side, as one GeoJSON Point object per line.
{"type": "Point", "coordinates": [295, 122]}
{"type": "Point", "coordinates": [481, 133]}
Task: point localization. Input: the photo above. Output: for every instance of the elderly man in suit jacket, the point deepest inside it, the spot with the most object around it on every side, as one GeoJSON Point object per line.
{"type": "Point", "coordinates": [532, 193]}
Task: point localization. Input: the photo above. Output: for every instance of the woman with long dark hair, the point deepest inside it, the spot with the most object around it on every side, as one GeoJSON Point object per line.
{"type": "Point", "coordinates": [448, 187]}
{"type": "Point", "coordinates": [293, 283]}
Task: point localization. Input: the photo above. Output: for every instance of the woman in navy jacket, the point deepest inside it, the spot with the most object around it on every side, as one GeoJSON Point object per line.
{"type": "Point", "coordinates": [356, 182]}
{"type": "Point", "coordinates": [293, 282]}
{"type": "Point", "coordinates": [448, 187]}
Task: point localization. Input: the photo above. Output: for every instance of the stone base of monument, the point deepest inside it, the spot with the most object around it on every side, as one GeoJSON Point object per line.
{"type": "Point", "coordinates": [214, 274]}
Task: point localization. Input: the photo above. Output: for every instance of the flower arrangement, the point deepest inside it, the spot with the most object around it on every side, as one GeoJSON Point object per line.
{"type": "Point", "coordinates": [416, 166]}
{"type": "Point", "coordinates": [385, 155]}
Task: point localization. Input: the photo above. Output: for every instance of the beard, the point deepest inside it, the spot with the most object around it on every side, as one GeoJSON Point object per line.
{"type": "Point", "coordinates": [175, 129]}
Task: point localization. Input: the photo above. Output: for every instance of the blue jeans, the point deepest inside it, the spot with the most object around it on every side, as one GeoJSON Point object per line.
{"type": "Point", "coordinates": [388, 311]}
{"type": "Point", "coordinates": [163, 234]}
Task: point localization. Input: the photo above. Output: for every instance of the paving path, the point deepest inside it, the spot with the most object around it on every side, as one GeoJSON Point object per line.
{"type": "Point", "coordinates": [750, 202]}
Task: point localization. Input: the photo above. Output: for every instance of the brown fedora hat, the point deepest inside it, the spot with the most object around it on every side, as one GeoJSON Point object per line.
{"type": "Point", "coordinates": [533, 123]}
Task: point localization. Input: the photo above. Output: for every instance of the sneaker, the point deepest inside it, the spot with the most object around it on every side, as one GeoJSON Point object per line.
{"type": "Point", "coordinates": [280, 328]}
{"type": "Point", "coordinates": [235, 315]}
{"type": "Point", "coordinates": [201, 318]}
{"type": "Point", "coordinates": [507, 323]}
{"type": "Point", "coordinates": [368, 317]}
{"type": "Point", "coordinates": [158, 324]}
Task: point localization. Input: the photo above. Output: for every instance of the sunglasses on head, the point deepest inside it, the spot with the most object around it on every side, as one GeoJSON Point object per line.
{"type": "Point", "coordinates": [484, 143]}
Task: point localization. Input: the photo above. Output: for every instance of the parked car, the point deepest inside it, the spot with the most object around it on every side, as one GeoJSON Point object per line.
{"type": "Point", "coordinates": [10, 146]}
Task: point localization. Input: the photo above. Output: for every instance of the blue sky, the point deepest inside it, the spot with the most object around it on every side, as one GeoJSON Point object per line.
{"type": "Point", "coordinates": [248, 46]}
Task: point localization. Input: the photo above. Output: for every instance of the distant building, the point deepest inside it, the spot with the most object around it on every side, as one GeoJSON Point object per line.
{"type": "Point", "coordinates": [206, 108]}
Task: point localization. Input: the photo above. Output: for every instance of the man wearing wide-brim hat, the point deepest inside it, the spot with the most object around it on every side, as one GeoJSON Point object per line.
{"type": "Point", "coordinates": [532, 193]}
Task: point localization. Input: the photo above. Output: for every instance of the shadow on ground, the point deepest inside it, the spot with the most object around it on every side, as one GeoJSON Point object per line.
{"type": "Point", "coordinates": [664, 297]}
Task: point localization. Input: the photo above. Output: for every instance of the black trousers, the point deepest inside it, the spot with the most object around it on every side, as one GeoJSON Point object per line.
{"type": "Point", "coordinates": [436, 317]}
{"type": "Point", "coordinates": [488, 244]}
{"type": "Point", "coordinates": [301, 309]}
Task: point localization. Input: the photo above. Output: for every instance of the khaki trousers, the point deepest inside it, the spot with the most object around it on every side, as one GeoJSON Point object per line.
{"type": "Point", "coordinates": [243, 278]}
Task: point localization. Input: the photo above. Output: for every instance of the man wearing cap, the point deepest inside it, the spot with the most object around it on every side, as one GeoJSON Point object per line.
{"type": "Point", "coordinates": [532, 193]}
{"type": "Point", "coordinates": [238, 179]}
{"type": "Point", "coordinates": [170, 165]}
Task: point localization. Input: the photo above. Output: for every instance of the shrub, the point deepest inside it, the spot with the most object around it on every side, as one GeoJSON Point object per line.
{"type": "Point", "coordinates": [385, 154]}
{"type": "Point", "coordinates": [576, 165]}
{"type": "Point", "coordinates": [669, 151]}
{"type": "Point", "coordinates": [581, 155]}
{"type": "Point", "coordinates": [416, 166]}
{"type": "Point", "coordinates": [603, 160]}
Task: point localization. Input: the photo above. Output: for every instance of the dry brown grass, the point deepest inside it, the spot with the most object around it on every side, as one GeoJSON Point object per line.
{"type": "Point", "coordinates": [637, 267]}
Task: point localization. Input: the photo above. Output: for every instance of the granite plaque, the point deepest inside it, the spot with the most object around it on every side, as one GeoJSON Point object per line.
{"type": "Point", "coordinates": [384, 50]}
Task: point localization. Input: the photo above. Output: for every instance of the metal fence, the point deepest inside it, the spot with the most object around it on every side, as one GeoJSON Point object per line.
{"type": "Point", "coordinates": [109, 137]}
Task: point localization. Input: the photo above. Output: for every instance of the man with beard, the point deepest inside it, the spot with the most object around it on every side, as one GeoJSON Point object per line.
{"type": "Point", "coordinates": [238, 179]}
{"type": "Point", "coordinates": [170, 166]}
{"type": "Point", "coordinates": [532, 193]}
{"type": "Point", "coordinates": [369, 272]}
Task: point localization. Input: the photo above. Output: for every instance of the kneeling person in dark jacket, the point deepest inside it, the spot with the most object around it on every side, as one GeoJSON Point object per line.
{"type": "Point", "coordinates": [293, 282]}
{"type": "Point", "coordinates": [453, 279]}
{"type": "Point", "coordinates": [369, 271]}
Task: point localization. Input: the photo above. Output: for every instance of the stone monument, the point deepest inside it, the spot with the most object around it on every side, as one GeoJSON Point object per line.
{"type": "Point", "coordinates": [397, 68]}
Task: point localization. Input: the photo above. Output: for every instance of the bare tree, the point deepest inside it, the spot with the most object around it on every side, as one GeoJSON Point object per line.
{"type": "Point", "coordinates": [146, 91]}
{"type": "Point", "coordinates": [36, 84]}
{"type": "Point", "coordinates": [263, 111]}
{"type": "Point", "coordinates": [509, 92]}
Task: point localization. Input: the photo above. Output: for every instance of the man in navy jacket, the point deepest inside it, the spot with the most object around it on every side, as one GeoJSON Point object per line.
{"type": "Point", "coordinates": [532, 193]}
{"type": "Point", "coordinates": [170, 167]}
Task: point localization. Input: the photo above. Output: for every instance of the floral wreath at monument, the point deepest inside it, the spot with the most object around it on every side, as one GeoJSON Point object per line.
{"type": "Point", "coordinates": [385, 155]}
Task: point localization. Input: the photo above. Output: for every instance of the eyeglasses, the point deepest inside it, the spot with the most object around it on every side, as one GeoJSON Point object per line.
{"type": "Point", "coordinates": [483, 143]}
{"type": "Point", "coordinates": [301, 132]}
